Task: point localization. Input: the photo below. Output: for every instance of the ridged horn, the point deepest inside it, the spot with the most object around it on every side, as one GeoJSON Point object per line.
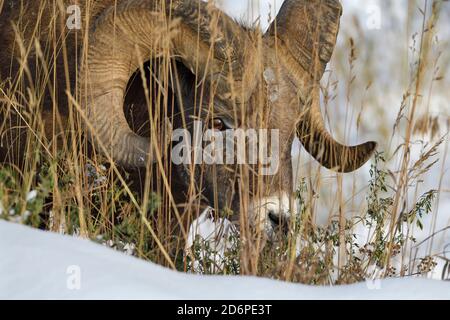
{"type": "Point", "coordinates": [204, 39]}
{"type": "Point", "coordinates": [320, 144]}
{"type": "Point", "coordinates": [307, 30]}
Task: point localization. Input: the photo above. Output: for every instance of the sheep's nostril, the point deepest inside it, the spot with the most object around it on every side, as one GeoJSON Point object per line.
{"type": "Point", "coordinates": [274, 218]}
{"type": "Point", "coordinates": [279, 222]}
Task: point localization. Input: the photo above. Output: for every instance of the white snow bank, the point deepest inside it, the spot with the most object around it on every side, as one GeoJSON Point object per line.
{"type": "Point", "coordinates": [41, 265]}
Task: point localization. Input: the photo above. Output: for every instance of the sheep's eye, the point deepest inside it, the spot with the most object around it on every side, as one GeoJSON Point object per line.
{"type": "Point", "coordinates": [218, 124]}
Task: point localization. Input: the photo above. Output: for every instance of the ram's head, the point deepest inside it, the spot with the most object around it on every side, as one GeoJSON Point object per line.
{"type": "Point", "coordinates": [227, 77]}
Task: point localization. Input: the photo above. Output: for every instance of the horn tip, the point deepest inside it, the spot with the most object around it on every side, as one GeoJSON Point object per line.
{"type": "Point", "coordinates": [372, 146]}
{"type": "Point", "coordinates": [368, 149]}
{"type": "Point", "coordinates": [365, 151]}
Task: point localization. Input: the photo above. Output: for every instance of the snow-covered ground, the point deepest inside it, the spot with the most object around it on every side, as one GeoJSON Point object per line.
{"type": "Point", "coordinates": [42, 265]}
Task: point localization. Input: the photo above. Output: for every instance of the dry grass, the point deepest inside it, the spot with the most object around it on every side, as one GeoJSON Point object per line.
{"type": "Point", "coordinates": [65, 186]}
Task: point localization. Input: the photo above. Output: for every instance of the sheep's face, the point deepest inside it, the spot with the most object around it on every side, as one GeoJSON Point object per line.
{"type": "Point", "coordinates": [255, 188]}
{"type": "Point", "coordinates": [240, 83]}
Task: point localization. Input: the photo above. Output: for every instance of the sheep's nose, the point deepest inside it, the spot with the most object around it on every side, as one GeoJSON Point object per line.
{"type": "Point", "coordinates": [271, 214]}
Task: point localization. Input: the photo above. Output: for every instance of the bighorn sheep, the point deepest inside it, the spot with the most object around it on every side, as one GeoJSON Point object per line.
{"type": "Point", "coordinates": [250, 81]}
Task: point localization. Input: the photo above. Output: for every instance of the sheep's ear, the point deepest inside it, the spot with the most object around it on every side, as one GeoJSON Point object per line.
{"type": "Point", "coordinates": [308, 29]}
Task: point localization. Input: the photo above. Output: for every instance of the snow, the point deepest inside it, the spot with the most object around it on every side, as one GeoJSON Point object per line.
{"type": "Point", "coordinates": [42, 265]}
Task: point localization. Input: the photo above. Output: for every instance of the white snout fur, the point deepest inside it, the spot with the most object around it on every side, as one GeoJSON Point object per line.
{"type": "Point", "coordinates": [277, 205]}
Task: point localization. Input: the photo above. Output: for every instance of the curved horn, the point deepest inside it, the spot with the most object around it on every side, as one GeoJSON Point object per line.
{"type": "Point", "coordinates": [202, 37]}
{"type": "Point", "coordinates": [320, 144]}
{"type": "Point", "coordinates": [307, 30]}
